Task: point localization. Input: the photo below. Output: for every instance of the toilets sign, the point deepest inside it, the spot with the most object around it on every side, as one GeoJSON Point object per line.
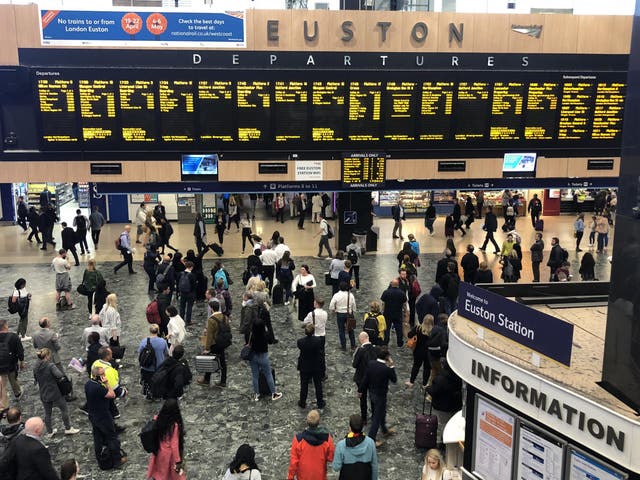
{"type": "Point", "coordinates": [538, 331]}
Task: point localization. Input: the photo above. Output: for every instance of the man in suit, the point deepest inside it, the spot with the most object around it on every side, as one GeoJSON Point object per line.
{"type": "Point", "coordinates": [365, 353]}
{"type": "Point", "coordinates": [376, 380]}
{"type": "Point", "coordinates": [397, 212]}
{"type": "Point", "coordinates": [394, 299]}
{"type": "Point", "coordinates": [68, 235]}
{"type": "Point", "coordinates": [31, 456]}
{"type": "Point", "coordinates": [310, 364]}
{"type": "Point", "coordinates": [490, 226]}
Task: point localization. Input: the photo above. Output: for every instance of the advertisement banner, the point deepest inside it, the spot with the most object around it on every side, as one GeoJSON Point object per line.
{"type": "Point", "coordinates": [538, 331]}
{"type": "Point", "coordinates": [143, 28]}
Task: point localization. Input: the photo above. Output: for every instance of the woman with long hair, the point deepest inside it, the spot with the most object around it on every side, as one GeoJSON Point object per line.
{"type": "Point", "coordinates": [110, 319]}
{"type": "Point", "coordinates": [451, 246]}
{"type": "Point", "coordinates": [233, 213]}
{"type": "Point", "coordinates": [166, 463]}
{"type": "Point", "coordinates": [245, 223]}
{"type": "Point", "coordinates": [587, 265]}
{"type": "Point", "coordinates": [420, 352]}
{"type": "Point", "coordinates": [243, 466]}
{"type": "Point", "coordinates": [46, 375]}
{"type": "Point", "coordinates": [22, 298]}
{"type": "Point", "coordinates": [284, 273]}
{"type": "Point", "coordinates": [90, 279]}
{"type": "Point", "coordinates": [303, 286]}
{"type": "Point", "coordinates": [434, 467]}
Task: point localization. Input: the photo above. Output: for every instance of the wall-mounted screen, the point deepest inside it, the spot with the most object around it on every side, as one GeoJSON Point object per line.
{"type": "Point", "coordinates": [540, 456]}
{"type": "Point", "coordinates": [519, 163]}
{"type": "Point", "coordinates": [582, 466]}
{"type": "Point", "coordinates": [202, 167]}
{"type": "Point", "coordinates": [493, 445]}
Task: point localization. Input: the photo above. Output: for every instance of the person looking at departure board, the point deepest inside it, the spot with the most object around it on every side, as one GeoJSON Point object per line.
{"type": "Point", "coordinates": [397, 212]}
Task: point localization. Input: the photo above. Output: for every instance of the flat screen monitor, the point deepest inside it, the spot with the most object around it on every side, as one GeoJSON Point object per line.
{"type": "Point", "coordinates": [519, 165]}
{"type": "Point", "coordinates": [199, 167]}
{"type": "Point", "coordinates": [581, 466]}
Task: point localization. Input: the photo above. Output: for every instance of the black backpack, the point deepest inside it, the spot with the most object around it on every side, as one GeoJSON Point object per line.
{"type": "Point", "coordinates": [371, 327]}
{"type": "Point", "coordinates": [7, 457]}
{"type": "Point", "coordinates": [224, 335]}
{"type": "Point", "coordinates": [352, 255]}
{"type": "Point", "coordinates": [81, 222]}
{"type": "Point", "coordinates": [147, 357]}
{"type": "Point", "coordinates": [6, 358]}
{"type": "Point", "coordinates": [149, 437]}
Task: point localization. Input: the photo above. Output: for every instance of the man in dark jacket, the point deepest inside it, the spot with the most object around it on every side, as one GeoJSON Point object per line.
{"type": "Point", "coordinates": [215, 322]}
{"type": "Point", "coordinates": [428, 303]}
{"type": "Point", "coordinates": [450, 284]}
{"type": "Point", "coordinates": [394, 299]}
{"type": "Point", "coordinates": [33, 224]}
{"type": "Point", "coordinates": [45, 225]}
{"type": "Point", "coordinates": [164, 302]}
{"type": "Point", "coordinates": [430, 218]}
{"type": "Point", "coordinates": [490, 226]}
{"type": "Point", "coordinates": [187, 285]}
{"type": "Point", "coordinates": [443, 263]}
{"type": "Point", "coordinates": [68, 235]}
{"type": "Point", "coordinates": [470, 265]}
{"type": "Point", "coordinates": [536, 256]}
{"type": "Point", "coordinates": [23, 211]}
{"type": "Point", "coordinates": [30, 456]}
{"type": "Point", "coordinates": [556, 258]}
{"type": "Point", "coordinates": [165, 273]}
{"type": "Point", "coordinates": [11, 358]}
{"type": "Point", "coordinates": [365, 353]}
{"type": "Point", "coordinates": [535, 209]}
{"type": "Point", "coordinates": [311, 449]}
{"type": "Point", "coordinates": [446, 396]}
{"type": "Point", "coordinates": [397, 212]}
{"type": "Point", "coordinates": [310, 362]}
{"type": "Point", "coordinates": [376, 380]}
{"type": "Point", "coordinates": [178, 375]}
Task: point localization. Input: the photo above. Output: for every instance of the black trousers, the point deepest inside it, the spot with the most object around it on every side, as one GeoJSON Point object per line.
{"type": "Point", "coordinates": [489, 238]}
{"type": "Point", "coordinates": [95, 236]}
{"type": "Point", "coordinates": [420, 361]}
{"type": "Point", "coordinates": [22, 221]}
{"type": "Point", "coordinates": [363, 406]}
{"type": "Point", "coordinates": [535, 267]}
{"type": "Point", "coordinates": [127, 259]}
{"type": "Point", "coordinates": [74, 252]}
{"type": "Point", "coordinates": [34, 233]}
{"type": "Point", "coordinates": [305, 378]}
{"type": "Point", "coordinates": [82, 240]}
{"type": "Point", "coordinates": [301, 219]}
{"type": "Point", "coordinates": [104, 434]}
{"type": "Point", "coordinates": [223, 366]}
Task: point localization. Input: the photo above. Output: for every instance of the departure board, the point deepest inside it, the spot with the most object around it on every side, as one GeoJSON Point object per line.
{"type": "Point", "coordinates": [328, 111]}
{"type": "Point", "coordinates": [176, 104]}
{"type": "Point", "coordinates": [97, 110]}
{"type": "Point", "coordinates": [362, 170]}
{"type": "Point", "coordinates": [254, 111]}
{"type": "Point", "coordinates": [290, 107]}
{"type": "Point", "coordinates": [217, 104]}
{"type": "Point", "coordinates": [365, 99]}
{"type": "Point", "coordinates": [57, 110]}
{"type": "Point", "coordinates": [197, 110]}
{"type": "Point", "coordinates": [138, 110]}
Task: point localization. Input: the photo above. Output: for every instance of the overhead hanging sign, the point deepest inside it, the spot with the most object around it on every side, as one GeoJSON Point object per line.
{"type": "Point", "coordinates": [308, 170]}
{"type": "Point", "coordinates": [143, 27]}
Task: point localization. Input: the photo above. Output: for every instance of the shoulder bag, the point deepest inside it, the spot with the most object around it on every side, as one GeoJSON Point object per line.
{"type": "Point", "coordinates": [351, 319]}
{"type": "Point", "coordinates": [246, 353]}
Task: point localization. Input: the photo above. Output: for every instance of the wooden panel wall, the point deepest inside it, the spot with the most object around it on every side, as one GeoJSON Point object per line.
{"type": "Point", "coordinates": [484, 33]}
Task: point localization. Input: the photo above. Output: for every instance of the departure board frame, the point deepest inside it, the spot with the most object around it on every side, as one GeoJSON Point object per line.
{"type": "Point", "coordinates": [324, 112]}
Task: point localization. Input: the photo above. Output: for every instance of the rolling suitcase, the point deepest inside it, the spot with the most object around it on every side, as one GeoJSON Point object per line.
{"type": "Point", "coordinates": [217, 248]}
{"type": "Point", "coordinates": [277, 295]}
{"type": "Point", "coordinates": [426, 428]}
{"type": "Point", "coordinates": [539, 225]}
{"type": "Point", "coordinates": [263, 386]}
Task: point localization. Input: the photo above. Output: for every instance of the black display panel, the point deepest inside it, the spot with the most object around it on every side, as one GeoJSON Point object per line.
{"type": "Point", "coordinates": [200, 110]}
{"type": "Point", "coordinates": [363, 170]}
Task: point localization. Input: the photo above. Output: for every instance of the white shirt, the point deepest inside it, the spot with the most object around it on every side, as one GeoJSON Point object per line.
{"type": "Point", "coordinates": [60, 265]}
{"type": "Point", "coordinates": [321, 321]}
{"type": "Point", "coordinates": [176, 330]}
{"type": "Point", "coordinates": [335, 267]}
{"type": "Point", "coordinates": [110, 319]}
{"type": "Point", "coordinates": [324, 226]}
{"type": "Point", "coordinates": [103, 332]}
{"type": "Point", "coordinates": [432, 474]}
{"type": "Point", "coordinates": [303, 280]}
{"type": "Point", "coordinates": [21, 294]}
{"type": "Point", "coordinates": [246, 475]}
{"type": "Point", "coordinates": [141, 216]}
{"type": "Point", "coordinates": [338, 302]}
{"type": "Point", "coordinates": [280, 249]}
{"type": "Point", "coordinates": [269, 257]}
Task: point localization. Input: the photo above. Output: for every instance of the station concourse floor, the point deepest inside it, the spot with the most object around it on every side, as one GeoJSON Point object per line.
{"type": "Point", "coordinates": [217, 420]}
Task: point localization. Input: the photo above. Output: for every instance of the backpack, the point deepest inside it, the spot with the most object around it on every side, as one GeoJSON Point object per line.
{"type": "Point", "coordinates": [6, 358]}
{"type": "Point", "coordinates": [81, 222]}
{"type": "Point", "coordinates": [415, 289]}
{"type": "Point", "coordinates": [222, 301]}
{"type": "Point", "coordinates": [158, 383]}
{"type": "Point", "coordinates": [147, 357]}
{"type": "Point", "coordinates": [329, 230]}
{"type": "Point", "coordinates": [149, 437]}
{"type": "Point", "coordinates": [118, 243]}
{"type": "Point", "coordinates": [12, 306]}
{"type": "Point", "coordinates": [565, 254]}
{"type": "Point", "coordinates": [224, 335]}
{"type": "Point", "coordinates": [352, 255]}
{"type": "Point", "coordinates": [7, 456]}
{"type": "Point", "coordinates": [223, 275]}
{"type": "Point", "coordinates": [184, 285]}
{"type": "Point", "coordinates": [371, 326]}
{"type": "Point", "coordinates": [153, 312]}
{"type": "Point", "coordinates": [248, 315]}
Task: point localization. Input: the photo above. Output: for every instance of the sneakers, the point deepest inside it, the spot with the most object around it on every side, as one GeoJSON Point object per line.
{"type": "Point", "coordinates": [408, 384]}
{"type": "Point", "coordinates": [379, 443]}
{"type": "Point", "coordinates": [26, 338]}
{"type": "Point", "coordinates": [276, 396]}
{"type": "Point", "coordinates": [52, 433]}
{"type": "Point", "coordinates": [287, 302]}
{"type": "Point", "coordinates": [389, 432]}
{"type": "Point", "coordinates": [71, 431]}
{"type": "Point", "coordinates": [256, 397]}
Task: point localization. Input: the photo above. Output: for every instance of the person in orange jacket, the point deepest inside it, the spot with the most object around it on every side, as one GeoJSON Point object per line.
{"type": "Point", "coordinates": [311, 449]}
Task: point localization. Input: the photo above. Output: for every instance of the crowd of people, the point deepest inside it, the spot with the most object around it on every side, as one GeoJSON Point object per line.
{"type": "Point", "coordinates": [270, 278]}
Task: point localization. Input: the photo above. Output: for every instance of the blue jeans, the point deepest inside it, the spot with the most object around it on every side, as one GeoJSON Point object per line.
{"type": "Point", "coordinates": [186, 306]}
{"type": "Point", "coordinates": [601, 241]}
{"type": "Point", "coordinates": [341, 319]}
{"type": "Point", "coordinates": [260, 363]}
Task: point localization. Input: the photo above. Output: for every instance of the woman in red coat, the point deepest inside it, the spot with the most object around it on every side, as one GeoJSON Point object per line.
{"type": "Point", "coordinates": [166, 463]}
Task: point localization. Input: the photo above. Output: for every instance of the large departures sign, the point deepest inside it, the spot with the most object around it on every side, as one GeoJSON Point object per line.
{"type": "Point", "coordinates": [111, 109]}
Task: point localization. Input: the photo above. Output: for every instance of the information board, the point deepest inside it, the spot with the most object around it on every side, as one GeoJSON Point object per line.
{"type": "Point", "coordinates": [363, 170]}
{"type": "Point", "coordinates": [540, 456]}
{"type": "Point", "coordinates": [146, 109]}
{"type": "Point", "coordinates": [493, 444]}
{"type": "Point", "coordinates": [584, 467]}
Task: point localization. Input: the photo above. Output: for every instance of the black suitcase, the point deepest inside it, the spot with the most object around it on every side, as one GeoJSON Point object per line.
{"type": "Point", "coordinates": [263, 386]}
{"type": "Point", "coordinates": [539, 225]}
{"type": "Point", "coordinates": [217, 248]}
{"type": "Point", "coordinates": [277, 295]}
{"type": "Point", "coordinates": [426, 428]}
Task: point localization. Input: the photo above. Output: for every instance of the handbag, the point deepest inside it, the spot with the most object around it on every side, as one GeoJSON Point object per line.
{"type": "Point", "coordinates": [207, 363]}
{"type": "Point", "coordinates": [83, 290]}
{"type": "Point", "coordinates": [351, 319]}
{"type": "Point", "coordinates": [65, 386]}
{"type": "Point", "coordinates": [117, 352]}
{"type": "Point", "coordinates": [327, 279]}
{"type": "Point", "coordinates": [412, 342]}
{"type": "Point", "coordinates": [246, 353]}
